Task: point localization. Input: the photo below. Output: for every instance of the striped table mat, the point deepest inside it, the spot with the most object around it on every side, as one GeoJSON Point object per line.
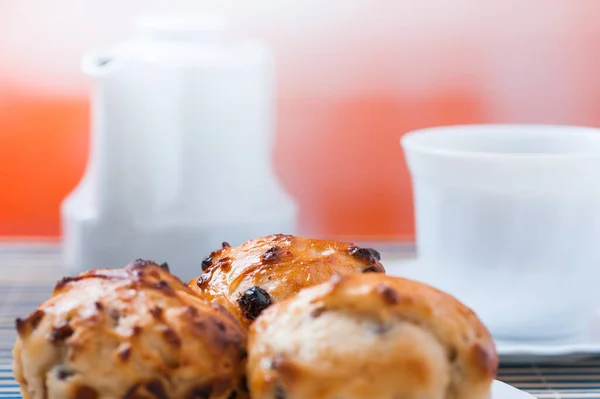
{"type": "Point", "coordinates": [28, 272]}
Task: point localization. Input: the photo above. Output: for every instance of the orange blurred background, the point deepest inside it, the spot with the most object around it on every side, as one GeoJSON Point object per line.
{"type": "Point", "coordinates": [353, 76]}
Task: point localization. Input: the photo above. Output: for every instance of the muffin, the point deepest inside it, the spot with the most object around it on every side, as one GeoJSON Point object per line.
{"type": "Point", "coordinates": [370, 336]}
{"type": "Point", "coordinates": [134, 332]}
{"type": "Point", "coordinates": [249, 278]}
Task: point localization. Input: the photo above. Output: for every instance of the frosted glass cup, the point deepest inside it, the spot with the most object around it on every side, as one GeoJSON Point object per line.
{"type": "Point", "coordinates": [508, 221]}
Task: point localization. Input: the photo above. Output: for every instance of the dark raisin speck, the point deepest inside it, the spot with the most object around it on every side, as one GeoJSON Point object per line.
{"type": "Point", "coordinates": [36, 317]}
{"type": "Point", "coordinates": [191, 312]}
{"type": "Point", "coordinates": [163, 285]}
{"type": "Point", "coordinates": [33, 320]}
{"type": "Point", "coordinates": [115, 315]}
{"type": "Point", "coordinates": [63, 373]}
{"type": "Point", "coordinates": [156, 312]}
{"type": "Point", "coordinates": [20, 324]}
{"type": "Point", "coordinates": [375, 253]}
{"type": "Point", "coordinates": [200, 392]}
{"type": "Point", "coordinates": [279, 392]}
{"type": "Point", "coordinates": [254, 301]}
{"type": "Point", "coordinates": [85, 392]}
{"type": "Point", "coordinates": [66, 280]}
{"type": "Point", "coordinates": [220, 325]}
{"type": "Point", "coordinates": [223, 263]}
{"type": "Point", "coordinates": [272, 254]}
{"type": "Point", "coordinates": [142, 263]}
{"type": "Point", "coordinates": [164, 266]}
{"type": "Point", "coordinates": [156, 388]}
{"type": "Point", "coordinates": [366, 254]}
{"type": "Point", "coordinates": [202, 280]}
{"type": "Point", "coordinates": [132, 392]}
{"type": "Point", "coordinates": [452, 354]}
{"type": "Point", "coordinates": [389, 295]}
{"type": "Point", "coordinates": [244, 385]}
{"type": "Point", "coordinates": [225, 244]}
{"type": "Point", "coordinates": [61, 333]}
{"type": "Point", "coordinates": [317, 312]}
{"type": "Point", "coordinates": [171, 337]}
{"type": "Point", "coordinates": [206, 263]}
{"type": "Point", "coordinates": [125, 352]}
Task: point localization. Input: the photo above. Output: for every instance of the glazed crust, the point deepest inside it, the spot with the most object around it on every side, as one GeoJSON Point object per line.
{"type": "Point", "coordinates": [136, 332]}
{"type": "Point", "coordinates": [370, 336]}
{"type": "Point", "coordinates": [274, 268]}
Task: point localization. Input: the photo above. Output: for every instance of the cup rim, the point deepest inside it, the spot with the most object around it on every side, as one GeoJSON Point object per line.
{"type": "Point", "coordinates": [410, 141]}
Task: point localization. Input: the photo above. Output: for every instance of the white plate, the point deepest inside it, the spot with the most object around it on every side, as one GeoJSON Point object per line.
{"type": "Point", "coordinates": [588, 345]}
{"type": "Point", "coordinates": [501, 390]}
{"type": "Point", "coordinates": [518, 353]}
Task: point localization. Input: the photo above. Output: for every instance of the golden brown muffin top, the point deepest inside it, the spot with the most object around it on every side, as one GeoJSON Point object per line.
{"type": "Point", "coordinates": [362, 335]}
{"type": "Point", "coordinates": [132, 332]}
{"type": "Point", "coordinates": [248, 278]}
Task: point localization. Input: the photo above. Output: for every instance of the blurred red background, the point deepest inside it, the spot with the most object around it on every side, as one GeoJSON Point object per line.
{"type": "Point", "coordinates": [350, 83]}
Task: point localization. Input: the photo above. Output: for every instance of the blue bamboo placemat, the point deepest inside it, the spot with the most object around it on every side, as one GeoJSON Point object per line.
{"type": "Point", "coordinates": [28, 272]}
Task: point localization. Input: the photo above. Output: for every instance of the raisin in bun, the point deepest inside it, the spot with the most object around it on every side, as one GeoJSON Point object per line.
{"type": "Point", "coordinates": [370, 336]}
{"type": "Point", "coordinates": [248, 278]}
{"type": "Point", "coordinates": [135, 332]}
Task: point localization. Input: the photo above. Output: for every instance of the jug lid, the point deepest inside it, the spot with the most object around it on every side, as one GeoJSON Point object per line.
{"type": "Point", "coordinates": [176, 41]}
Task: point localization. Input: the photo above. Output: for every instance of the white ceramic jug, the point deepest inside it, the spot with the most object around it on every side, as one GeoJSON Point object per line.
{"type": "Point", "coordinates": [182, 132]}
